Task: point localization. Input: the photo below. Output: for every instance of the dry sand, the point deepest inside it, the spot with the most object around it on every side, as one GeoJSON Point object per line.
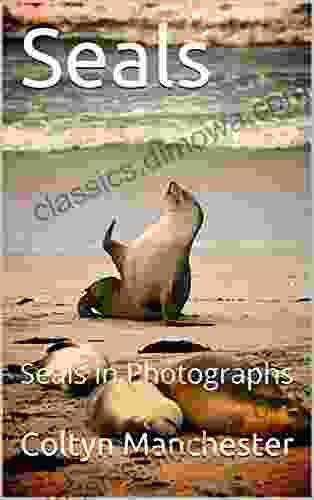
{"type": "Point", "coordinates": [267, 324]}
{"type": "Point", "coordinates": [229, 23]}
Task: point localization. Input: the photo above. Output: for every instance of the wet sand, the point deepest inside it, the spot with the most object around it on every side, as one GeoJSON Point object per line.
{"type": "Point", "coordinates": [254, 306]}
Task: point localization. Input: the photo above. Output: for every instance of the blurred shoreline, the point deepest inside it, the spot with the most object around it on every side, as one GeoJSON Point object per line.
{"type": "Point", "coordinates": [220, 23]}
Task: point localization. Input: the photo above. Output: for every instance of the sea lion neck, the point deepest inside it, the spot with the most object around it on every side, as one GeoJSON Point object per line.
{"type": "Point", "coordinates": [182, 208]}
{"type": "Point", "coordinates": [185, 222]}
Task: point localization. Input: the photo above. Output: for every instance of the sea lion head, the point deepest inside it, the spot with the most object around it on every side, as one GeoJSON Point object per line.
{"type": "Point", "coordinates": [184, 205]}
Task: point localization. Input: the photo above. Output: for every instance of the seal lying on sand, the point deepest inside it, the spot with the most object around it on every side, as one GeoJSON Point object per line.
{"type": "Point", "coordinates": [155, 271]}
{"type": "Point", "coordinates": [214, 393]}
{"type": "Point", "coordinates": [68, 363]}
{"type": "Point", "coordinates": [137, 406]}
{"type": "Point", "coordinates": [174, 345]}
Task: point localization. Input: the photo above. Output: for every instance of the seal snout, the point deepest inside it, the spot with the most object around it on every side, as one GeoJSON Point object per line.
{"type": "Point", "coordinates": [173, 187]}
{"type": "Point", "coordinates": [177, 195]}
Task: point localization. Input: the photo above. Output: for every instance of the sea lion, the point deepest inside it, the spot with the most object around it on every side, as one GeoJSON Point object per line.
{"type": "Point", "coordinates": [138, 406]}
{"type": "Point", "coordinates": [234, 406]}
{"type": "Point", "coordinates": [155, 270]}
{"type": "Point", "coordinates": [71, 364]}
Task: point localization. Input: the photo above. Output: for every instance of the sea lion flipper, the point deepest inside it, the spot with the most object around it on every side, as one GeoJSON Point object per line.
{"type": "Point", "coordinates": [173, 299]}
{"type": "Point", "coordinates": [170, 309]}
{"type": "Point", "coordinates": [115, 249]}
{"type": "Point", "coordinates": [182, 284]}
{"type": "Point", "coordinates": [97, 300]}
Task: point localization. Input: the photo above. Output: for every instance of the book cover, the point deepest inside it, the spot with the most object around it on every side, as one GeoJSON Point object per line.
{"type": "Point", "coordinates": [157, 248]}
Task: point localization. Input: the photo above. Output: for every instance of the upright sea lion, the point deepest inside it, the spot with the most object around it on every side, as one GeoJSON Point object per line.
{"type": "Point", "coordinates": [155, 270]}
{"type": "Point", "coordinates": [219, 393]}
{"type": "Point", "coordinates": [138, 406]}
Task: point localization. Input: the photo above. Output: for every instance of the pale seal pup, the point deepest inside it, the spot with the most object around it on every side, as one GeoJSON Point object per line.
{"type": "Point", "coordinates": [68, 363]}
{"type": "Point", "coordinates": [138, 406]}
{"type": "Point", "coordinates": [155, 270]}
{"type": "Point", "coordinates": [231, 408]}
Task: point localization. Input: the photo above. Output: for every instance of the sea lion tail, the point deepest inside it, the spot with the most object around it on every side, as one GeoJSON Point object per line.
{"type": "Point", "coordinates": [108, 233]}
{"type": "Point", "coordinates": [115, 249]}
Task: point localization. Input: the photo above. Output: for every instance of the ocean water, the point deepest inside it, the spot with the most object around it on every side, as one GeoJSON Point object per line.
{"type": "Point", "coordinates": [238, 223]}
{"type": "Point", "coordinates": [237, 77]}
{"type": "Point", "coordinates": [235, 224]}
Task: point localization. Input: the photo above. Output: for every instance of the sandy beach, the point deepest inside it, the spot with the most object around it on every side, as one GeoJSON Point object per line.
{"type": "Point", "coordinates": [256, 316]}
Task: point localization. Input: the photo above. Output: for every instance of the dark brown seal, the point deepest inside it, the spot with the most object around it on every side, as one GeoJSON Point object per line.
{"type": "Point", "coordinates": [224, 395]}
{"type": "Point", "coordinates": [155, 270]}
